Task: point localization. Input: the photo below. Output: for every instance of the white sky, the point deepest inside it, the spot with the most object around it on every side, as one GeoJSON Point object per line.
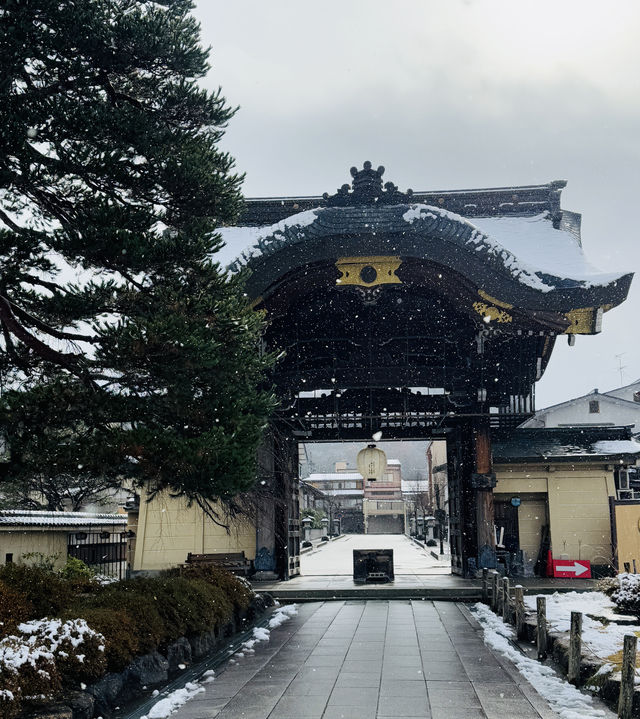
{"type": "Point", "coordinates": [450, 95]}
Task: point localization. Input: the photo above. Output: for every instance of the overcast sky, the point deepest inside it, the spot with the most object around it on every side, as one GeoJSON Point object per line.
{"type": "Point", "coordinates": [450, 95]}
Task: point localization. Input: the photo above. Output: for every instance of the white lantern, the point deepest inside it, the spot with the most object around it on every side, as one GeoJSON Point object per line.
{"type": "Point", "coordinates": [372, 463]}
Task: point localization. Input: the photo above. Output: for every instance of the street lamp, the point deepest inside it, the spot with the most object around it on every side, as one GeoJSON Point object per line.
{"type": "Point", "coordinates": [324, 522]}
{"type": "Point", "coordinates": [306, 528]}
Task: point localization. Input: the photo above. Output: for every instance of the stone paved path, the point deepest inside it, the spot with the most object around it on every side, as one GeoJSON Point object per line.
{"type": "Point", "coordinates": [336, 558]}
{"type": "Point", "coordinates": [371, 660]}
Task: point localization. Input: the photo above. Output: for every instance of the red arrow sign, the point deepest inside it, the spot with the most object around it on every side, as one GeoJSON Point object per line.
{"type": "Point", "coordinates": [576, 568]}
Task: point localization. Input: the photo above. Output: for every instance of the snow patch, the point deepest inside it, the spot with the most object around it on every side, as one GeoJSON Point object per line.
{"type": "Point", "coordinates": [598, 639]}
{"type": "Point", "coordinates": [283, 614]}
{"type": "Point", "coordinates": [564, 699]}
{"type": "Point", "coordinates": [165, 707]}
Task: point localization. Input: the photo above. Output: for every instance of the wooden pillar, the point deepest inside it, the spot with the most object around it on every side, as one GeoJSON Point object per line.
{"type": "Point", "coordinates": [483, 482]}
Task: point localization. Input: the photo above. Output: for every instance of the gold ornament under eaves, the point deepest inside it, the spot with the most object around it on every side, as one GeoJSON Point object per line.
{"type": "Point", "coordinates": [368, 271]}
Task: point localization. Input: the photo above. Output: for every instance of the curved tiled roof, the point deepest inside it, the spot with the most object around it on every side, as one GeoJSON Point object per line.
{"type": "Point", "coordinates": [544, 268]}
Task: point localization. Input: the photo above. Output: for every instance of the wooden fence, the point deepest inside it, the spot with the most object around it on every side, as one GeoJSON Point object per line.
{"type": "Point", "coordinates": [508, 603]}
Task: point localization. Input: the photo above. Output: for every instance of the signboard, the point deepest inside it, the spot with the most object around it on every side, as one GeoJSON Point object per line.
{"type": "Point", "coordinates": [574, 568]}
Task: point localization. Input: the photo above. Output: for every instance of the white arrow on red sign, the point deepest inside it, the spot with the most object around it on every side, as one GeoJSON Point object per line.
{"type": "Point", "coordinates": [574, 568]}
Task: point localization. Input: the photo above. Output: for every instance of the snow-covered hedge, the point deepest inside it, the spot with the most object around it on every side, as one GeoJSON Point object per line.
{"type": "Point", "coordinates": [119, 621]}
{"type": "Point", "coordinates": [44, 655]}
{"type": "Point", "coordinates": [624, 591]}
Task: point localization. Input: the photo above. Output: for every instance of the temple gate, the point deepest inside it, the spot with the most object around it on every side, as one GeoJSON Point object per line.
{"type": "Point", "coordinates": [418, 315]}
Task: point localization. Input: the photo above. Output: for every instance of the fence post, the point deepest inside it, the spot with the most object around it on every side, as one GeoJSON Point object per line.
{"type": "Point", "coordinates": [519, 611]}
{"type": "Point", "coordinates": [485, 587]}
{"type": "Point", "coordinates": [500, 596]}
{"type": "Point", "coordinates": [541, 635]}
{"type": "Point", "coordinates": [625, 702]}
{"type": "Point", "coordinates": [494, 591]}
{"type": "Point", "coordinates": [506, 600]}
{"type": "Point", "coordinates": [575, 648]}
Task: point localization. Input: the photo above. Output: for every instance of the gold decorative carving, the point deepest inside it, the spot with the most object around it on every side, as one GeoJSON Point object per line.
{"type": "Point", "coordinates": [368, 271]}
{"type": "Point", "coordinates": [494, 314]}
{"type": "Point", "coordinates": [498, 303]}
{"type": "Point", "coordinates": [584, 321]}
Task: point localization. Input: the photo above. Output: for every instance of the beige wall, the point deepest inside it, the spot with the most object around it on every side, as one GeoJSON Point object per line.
{"type": "Point", "coordinates": [627, 517]}
{"type": "Point", "coordinates": [578, 508]}
{"type": "Point", "coordinates": [19, 542]}
{"type": "Point", "coordinates": [168, 529]}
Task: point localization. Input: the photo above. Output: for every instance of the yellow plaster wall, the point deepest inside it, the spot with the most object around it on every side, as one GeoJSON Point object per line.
{"type": "Point", "coordinates": [19, 542]}
{"type": "Point", "coordinates": [578, 508]}
{"type": "Point", "coordinates": [579, 514]}
{"type": "Point", "coordinates": [627, 517]}
{"type": "Point", "coordinates": [168, 529]}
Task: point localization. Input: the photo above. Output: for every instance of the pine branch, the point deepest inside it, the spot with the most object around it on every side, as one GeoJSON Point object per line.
{"type": "Point", "coordinates": [43, 327]}
{"type": "Point", "coordinates": [68, 361]}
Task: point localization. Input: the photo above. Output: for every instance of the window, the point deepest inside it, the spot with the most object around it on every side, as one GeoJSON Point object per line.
{"type": "Point", "coordinates": [594, 406]}
{"type": "Point", "coordinates": [8, 558]}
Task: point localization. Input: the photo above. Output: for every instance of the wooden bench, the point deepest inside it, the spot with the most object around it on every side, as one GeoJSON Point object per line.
{"type": "Point", "coordinates": [234, 562]}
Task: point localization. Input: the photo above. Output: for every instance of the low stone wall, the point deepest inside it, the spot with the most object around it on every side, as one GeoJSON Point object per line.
{"type": "Point", "coordinates": [145, 672]}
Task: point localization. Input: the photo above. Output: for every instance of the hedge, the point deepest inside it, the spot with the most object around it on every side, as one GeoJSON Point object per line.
{"type": "Point", "coordinates": [123, 620]}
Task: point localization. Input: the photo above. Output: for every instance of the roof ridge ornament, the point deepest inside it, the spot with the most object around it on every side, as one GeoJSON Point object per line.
{"type": "Point", "coordinates": [366, 189]}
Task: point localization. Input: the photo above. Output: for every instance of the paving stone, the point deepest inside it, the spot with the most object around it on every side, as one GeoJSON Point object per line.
{"type": "Point", "coordinates": [355, 679]}
{"type": "Point", "coordinates": [348, 712]}
{"type": "Point", "coordinates": [403, 706]}
{"type": "Point", "coordinates": [403, 689]}
{"type": "Point", "coordinates": [354, 697]}
{"type": "Point", "coordinates": [370, 660]}
{"type": "Point", "coordinates": [309, 706]}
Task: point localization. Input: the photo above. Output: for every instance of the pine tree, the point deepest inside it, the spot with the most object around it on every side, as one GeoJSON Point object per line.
{"type": "Point", "coordinates": [127, 350]}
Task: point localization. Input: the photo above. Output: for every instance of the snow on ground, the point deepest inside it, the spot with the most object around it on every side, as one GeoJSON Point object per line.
{"type": "Point", "coordinates": [172, 702]}
{"type": "Point", "coordinates": [601, 640]}
{"type": "Point", "coordinates": [564, 699]}
{"type": "Point", "coordinates": [336, 558]}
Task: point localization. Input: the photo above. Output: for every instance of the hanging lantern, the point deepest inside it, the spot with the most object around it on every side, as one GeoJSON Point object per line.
{"type": "Point", "coordinates": [372, 463]}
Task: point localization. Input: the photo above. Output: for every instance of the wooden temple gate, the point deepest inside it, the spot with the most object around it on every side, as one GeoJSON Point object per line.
{"type": "Point", "coordinates": [418, 315]}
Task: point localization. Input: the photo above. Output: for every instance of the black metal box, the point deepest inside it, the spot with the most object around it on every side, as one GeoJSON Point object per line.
{"type": "Point", "coordinates": [372, 565]}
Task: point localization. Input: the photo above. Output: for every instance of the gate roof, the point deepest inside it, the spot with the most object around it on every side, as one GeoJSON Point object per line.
{"type": "Point", "coordinates": [516, 243]}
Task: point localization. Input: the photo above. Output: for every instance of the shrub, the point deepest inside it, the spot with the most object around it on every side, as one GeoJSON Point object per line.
{"type": "Point", "coordinates": [237, 590]}
{"type": "Point", "coordinates": [40, 560]}
{"type": "Point", "coordinates": [25, 670]}
{"type": "Point", "coordinates": [14, 608]}
{"type": "Point", "coordinates": [78, 649]}
{"type": "Point", "coordinates": [432, 543]}
{"type": "Point", "coordinates": [76, 569]}
{"type": "Point", "coordinates": [626, 595]}
{"type": "Point", "coordinates": [135, 598]}
{"type": "Point", "coordinates": [120, 635]}
{"type": "Point", "coordinates": [48, 593]}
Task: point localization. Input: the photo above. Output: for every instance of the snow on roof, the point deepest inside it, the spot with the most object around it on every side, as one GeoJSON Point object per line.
{"type": "Point", "coordinates": [415, 485]}
{"type": "Point", "coordinates": [616, 446]}
{"type": "Point", "coordinates": [23, 518]}
{"type": "Point", "coordinates": [534, 241]}
{"type": "Point", "coordinates": [528, 246]}
{"type": "Point", "coordinates": [394, 461]}
{"type": "Point", "coordinates": [342, 492]}
{"type": "Point", "coordinates": [332, 476]}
